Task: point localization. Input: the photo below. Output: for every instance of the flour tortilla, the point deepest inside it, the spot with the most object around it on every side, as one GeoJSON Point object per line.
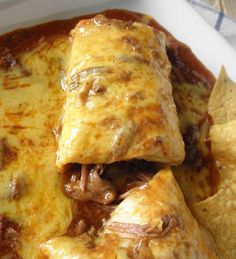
{"type": "Point", "coordinates": [151, 206]}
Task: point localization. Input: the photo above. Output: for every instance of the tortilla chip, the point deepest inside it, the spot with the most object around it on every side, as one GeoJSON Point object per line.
{"type": "Point", "coordinates": [222, 102]}
{"type": "Point", "coordinates": [223, 144]}
{"type": "Point", "coordinates": [218, 213]}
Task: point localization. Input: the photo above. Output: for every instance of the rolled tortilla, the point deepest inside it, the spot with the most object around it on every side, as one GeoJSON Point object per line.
{"type": "Point", "coordinates": [119, 103]}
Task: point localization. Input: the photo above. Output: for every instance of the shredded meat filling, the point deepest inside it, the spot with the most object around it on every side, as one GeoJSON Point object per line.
{"type": "Point", "coordinates": [90, 186]}
{"type": "Point", "coordinates": [98, 189]}
{"type": "Point", "coordinates": [105, 184]}
{"type": "Point", "coordinates": [89, 215]}
{"type": "Point", "coordinates": [169, 223]}
{"type": "Point", "coordinates": [9, 234]}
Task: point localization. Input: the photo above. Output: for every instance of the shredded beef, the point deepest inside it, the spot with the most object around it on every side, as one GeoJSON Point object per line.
{"type": "Point", "coordinates": [97, 189]}
{"type": "Point", "coordinates": [90, 186]}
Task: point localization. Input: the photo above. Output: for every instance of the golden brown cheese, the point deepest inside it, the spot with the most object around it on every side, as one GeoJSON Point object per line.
{"type": "Point", "coordinates": [153, 222]}
{"type": "Point", "coordinates": [119, 102]}
{"type": "Point", "coordinates": [31, 193]}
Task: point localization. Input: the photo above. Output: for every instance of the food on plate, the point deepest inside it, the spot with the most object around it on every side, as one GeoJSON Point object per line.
{"type": "Point", "coordinates": [216, 213]}
{"type": "Point", "coordinates": [152, 222]}
{"type": "Point", "coordinates": [119, 103]}
{"type": "Point", "coordinates": [93, 112]}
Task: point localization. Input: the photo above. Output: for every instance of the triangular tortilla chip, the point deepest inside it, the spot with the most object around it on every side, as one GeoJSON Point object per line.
{"type": "Point", "coordinates": [222, 102]}
{"type": "Point", "coordinates": [218, 214]}
{"type": "Point", "coordinates": [153, 222]}
{"type": "Point", "coordinates": [223, 144]}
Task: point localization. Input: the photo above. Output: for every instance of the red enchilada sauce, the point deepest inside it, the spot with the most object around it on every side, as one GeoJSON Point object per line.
{"type": "Point", "coordinates": [14, 43]}
{"type": "Point", "coordinates": [186, 69]}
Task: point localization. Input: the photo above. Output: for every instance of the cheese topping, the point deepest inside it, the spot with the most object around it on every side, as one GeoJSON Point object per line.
{"type": "Point", "coordinates": [119, 102]}
{"type": "Point", "coordinates": [31, 186]}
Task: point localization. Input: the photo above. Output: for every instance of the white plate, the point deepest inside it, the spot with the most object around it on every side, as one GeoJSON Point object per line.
{"type": "Point", "coordinates": [176, 15]}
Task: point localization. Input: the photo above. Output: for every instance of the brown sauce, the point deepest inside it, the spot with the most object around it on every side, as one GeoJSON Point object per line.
{"type": "Point", "coordinates": [9, 234]}
{"type": "Point", "coordinates": [7, 154]}
{"type": "Point", "coordinates": [89, 216]}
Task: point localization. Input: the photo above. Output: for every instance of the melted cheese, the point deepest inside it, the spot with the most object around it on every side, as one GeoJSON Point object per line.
{"type": "Point", "coordinates": [30, 103]}
{"type": "Point", "coordinates": [119, 103]}
{"type": "Point", "coordinates": [144, 207]}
